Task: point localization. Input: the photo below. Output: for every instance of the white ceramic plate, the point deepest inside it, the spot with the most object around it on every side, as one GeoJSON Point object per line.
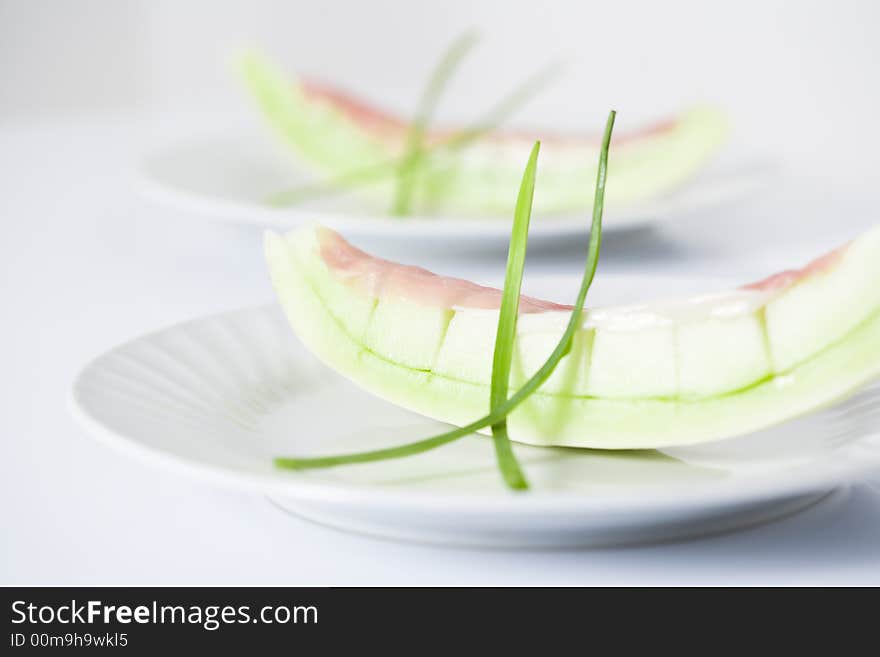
{"type": "Point", "coordinates": [219, 397]}
{"type": "Point", "coordinates": [229, 178]}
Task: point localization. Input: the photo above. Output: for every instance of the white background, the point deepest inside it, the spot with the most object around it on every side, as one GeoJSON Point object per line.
{"type": "Point", "coordinates": [86, 87]}
{"type": "Point", "coordinates": [799, 76]}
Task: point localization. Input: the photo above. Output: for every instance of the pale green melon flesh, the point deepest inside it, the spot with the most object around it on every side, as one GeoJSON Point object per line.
{"type": "Point", "coordinates": [440, 367]}
{"type": "Point", "coordinates": [477, 181]}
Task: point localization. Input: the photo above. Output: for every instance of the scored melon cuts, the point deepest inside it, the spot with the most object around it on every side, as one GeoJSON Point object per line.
{"type": "Point", "coordinates": [334, 134]}
{"type": "Point", "coordinates": [639, 376]}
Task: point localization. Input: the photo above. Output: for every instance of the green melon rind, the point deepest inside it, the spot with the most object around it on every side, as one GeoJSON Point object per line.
{"type": "Point", "coordinates": [557, 420]}
{"type": "Point", "coordinates": [319, 134]}
{"type": "Point", "coordinates": [477, 181]}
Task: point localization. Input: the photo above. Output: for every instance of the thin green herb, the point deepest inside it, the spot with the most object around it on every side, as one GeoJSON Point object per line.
{"type": "Point", "coordinates": [507, 318]}
{"type": "Point", "coordinates": [535, 382]}
{"type": "Point", "coordinates": [460, 140]}
{"type": "Point", "coordinates": [502, 110]}
{"type": "Point", "coordinates": [415, 137]}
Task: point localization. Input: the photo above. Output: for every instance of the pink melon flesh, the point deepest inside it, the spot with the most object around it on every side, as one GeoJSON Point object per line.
{"type": "Point", "coordinates": [787, 278]}
{"type": "Point", "coordinates": [387, 125]}
{"type": "Point", "coordinates": [378, 278]}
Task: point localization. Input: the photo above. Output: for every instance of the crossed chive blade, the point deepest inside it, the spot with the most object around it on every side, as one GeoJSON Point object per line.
{"type": "Point", "coordinates": [507, 319]}
{"type": "Point", "coordinates": [462, 139]}
{"type": "Point", "coordinates": [500, 412]}
{"type": "Point", "coordinates": [418, 127]}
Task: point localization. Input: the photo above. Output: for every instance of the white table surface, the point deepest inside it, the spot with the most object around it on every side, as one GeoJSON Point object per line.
{"type": "Point", "coordinates": [86, 265]}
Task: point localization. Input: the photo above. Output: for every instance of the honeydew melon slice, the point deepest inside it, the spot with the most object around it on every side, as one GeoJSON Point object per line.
{"type": "Point", "coordinates": [641, 376]}
{"type": "Point", "coordinates": [334, 134]}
